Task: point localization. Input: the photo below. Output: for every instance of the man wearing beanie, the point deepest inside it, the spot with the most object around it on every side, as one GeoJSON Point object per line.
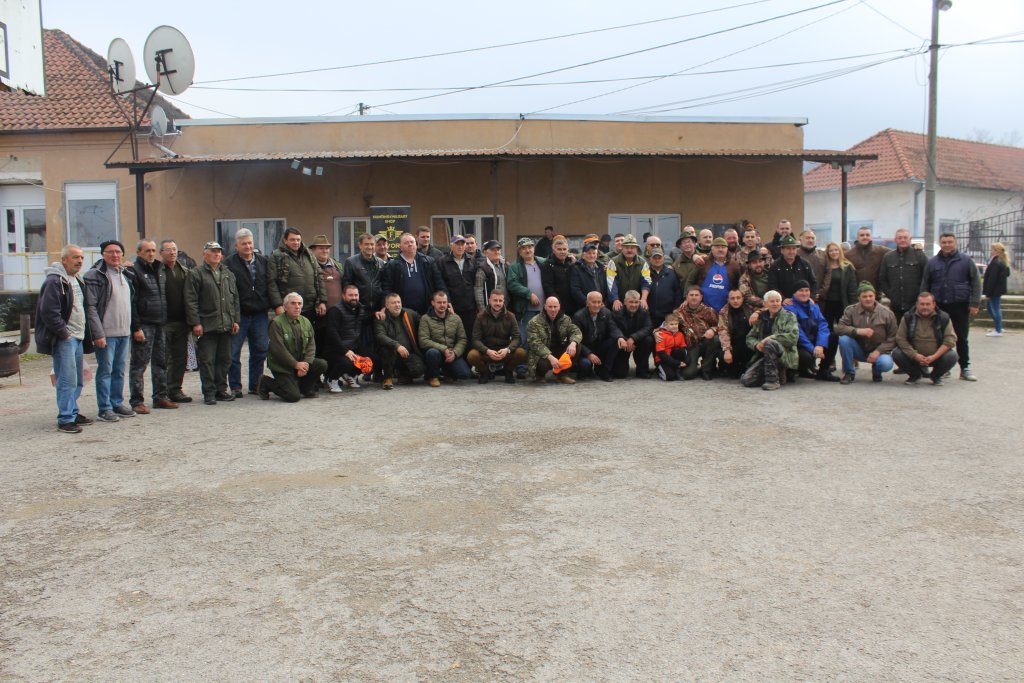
{"type": "Point", "coordinates": [867, 332]}
{"type": "Point", "coordinates": [814, 334]}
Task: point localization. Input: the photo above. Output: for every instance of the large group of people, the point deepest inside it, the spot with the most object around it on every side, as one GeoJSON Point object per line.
{"type": "Point", "coordinates": [727, 307]}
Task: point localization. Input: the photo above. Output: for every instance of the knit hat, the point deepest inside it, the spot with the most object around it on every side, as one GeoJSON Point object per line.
{"type": "Point", "coordinates": [801, 284]}
{"type": "Point", "coordinates": [864, 286]}
{"type": "Point", "coordinates": [719, 242]}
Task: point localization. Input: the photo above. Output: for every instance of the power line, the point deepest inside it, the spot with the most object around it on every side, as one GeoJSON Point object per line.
{"type": "Point", "coordinates": [760, 90]}
{"type": "Point", "coordinates": [592, 81]}
{"type": "Point", "coordinates": [696, 66]}
{"type": "Point", "coordinates": [486, 47]}
{"type": "Point", "coordinates": [613, 57]}
{"type": "Point", "coordinates": [891, 20]}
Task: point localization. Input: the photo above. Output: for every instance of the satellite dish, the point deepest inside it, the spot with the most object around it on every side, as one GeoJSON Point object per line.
{"type": "Point", "coordinates": [120, 66]}
{"type": "Point", "coordinates": [158, 122]}
{"type": "Point", "coordinates": [169, 60]}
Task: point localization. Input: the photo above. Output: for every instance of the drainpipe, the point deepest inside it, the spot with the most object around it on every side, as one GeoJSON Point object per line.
{"type": "Point", "coordinates": [140, 202]}
{"type": "Point", "coordinates": [917, 206]}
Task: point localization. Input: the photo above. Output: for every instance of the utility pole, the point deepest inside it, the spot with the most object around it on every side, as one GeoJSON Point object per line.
{"type": "Point", "coordinates": [362, 108]}
{"type": "Point", "coordinates": [933, 89]}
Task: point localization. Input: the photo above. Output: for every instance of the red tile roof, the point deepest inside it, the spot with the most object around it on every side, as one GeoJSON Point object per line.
{"type": "Point", "coordinates": [902, 157]}
{"type": "Point", "coordinates": [77, 93]}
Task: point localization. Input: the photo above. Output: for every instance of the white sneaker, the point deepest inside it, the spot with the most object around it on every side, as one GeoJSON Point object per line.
{"type": "Point", "coordinates": [993, 333]}
{"type": "Point", "coordinates": [332, 386]}
{"type": "Point", "coordinates": [351, 381]}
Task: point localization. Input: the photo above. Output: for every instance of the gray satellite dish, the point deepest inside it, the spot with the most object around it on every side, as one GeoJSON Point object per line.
{"type": "Point", "coordinates": [121, 66]}
{"type": "Point", "coordinates": [169, 60]}
{"type": "Point", "coordinates": [158, 122]}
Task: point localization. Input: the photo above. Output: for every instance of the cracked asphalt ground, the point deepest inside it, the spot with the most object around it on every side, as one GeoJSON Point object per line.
{"type": "Point", "coordinates": [632, 531]}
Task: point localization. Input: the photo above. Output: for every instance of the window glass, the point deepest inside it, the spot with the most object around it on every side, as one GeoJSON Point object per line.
{"type": "Point", "coordinates": [91, 213]}
{"type": "Point", "coordinates": [35, 229]}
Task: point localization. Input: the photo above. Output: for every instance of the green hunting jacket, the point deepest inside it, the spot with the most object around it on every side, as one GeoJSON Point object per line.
{"type": "Point", "coordinates": [211, 299]}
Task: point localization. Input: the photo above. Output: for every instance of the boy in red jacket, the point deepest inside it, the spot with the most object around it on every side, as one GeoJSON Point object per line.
{"type": "Point", "coordinates": [670, 352]}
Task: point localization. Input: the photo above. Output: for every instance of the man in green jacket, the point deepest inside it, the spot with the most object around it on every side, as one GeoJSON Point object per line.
{"type": "Point", "coordinates": [212, 311]}
{"type": "Point", "coordinates": [773, 337]}
{"type": "Point", "coordinates": [293, 268]}
{"type": "Point", "coordinates": [550, 335]}
{"type": "Point", "coordinates": [443, 340]}
{"type": "Point", "coordinates": [292, 355]}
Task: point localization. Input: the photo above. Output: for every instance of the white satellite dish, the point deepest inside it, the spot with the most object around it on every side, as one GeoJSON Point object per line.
{"type": "Point", "coordinates": [169, 60]}
{"type": "Point", "coordinates": [120, 66]}
{"type": "Point", "coordinates": [158, 122]}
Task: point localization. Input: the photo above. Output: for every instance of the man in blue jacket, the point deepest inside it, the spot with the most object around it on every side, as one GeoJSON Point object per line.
{"type": "Point", "coordinates": [814, 334]}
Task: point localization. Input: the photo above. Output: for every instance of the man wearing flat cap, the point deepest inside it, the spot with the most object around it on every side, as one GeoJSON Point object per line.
{"type": "Point", "coordinates": [867, 332]}
{"type": "Point", "coordinates": [110, 310]}
{"type": "Point", "coordinates": [212, 310]}
{"type": "Point", "coordinates": [588, 275]}
{"type": "Point", "coordinates": [491, 274]}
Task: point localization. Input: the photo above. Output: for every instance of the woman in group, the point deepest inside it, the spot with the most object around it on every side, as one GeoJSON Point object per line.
{"type": "Point", "coordinates": [838, 290]}
{"type": "Point", "coordinates": [996, 275]}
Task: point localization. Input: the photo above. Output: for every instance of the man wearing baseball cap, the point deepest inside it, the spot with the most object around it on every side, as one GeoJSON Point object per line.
{"type": "Point", "coordinates": [212, 310]}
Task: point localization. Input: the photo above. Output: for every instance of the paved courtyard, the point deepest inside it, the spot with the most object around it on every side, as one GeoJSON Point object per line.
{"type": "Point", "coordinates": [632, 531]}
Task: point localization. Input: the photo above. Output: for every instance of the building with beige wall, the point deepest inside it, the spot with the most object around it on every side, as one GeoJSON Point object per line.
{"type": "Point", "coordinates": [498, 176]}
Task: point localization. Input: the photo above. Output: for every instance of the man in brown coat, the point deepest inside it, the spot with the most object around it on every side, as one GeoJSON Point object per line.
{"type": "Point", "coordinates": [867, 258]}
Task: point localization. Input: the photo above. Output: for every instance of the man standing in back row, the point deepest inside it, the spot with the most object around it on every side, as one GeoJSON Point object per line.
{"type": "Point", "coordinates": [953, 278]}
{"type": "Point", "coordinates": [147, 275]}
{"type": "Point", "coordinates": [112, 321]}
{"type": "Point", "coordinates": [211, 307]}
{"type": "Point", "coordinates": [250, 271]}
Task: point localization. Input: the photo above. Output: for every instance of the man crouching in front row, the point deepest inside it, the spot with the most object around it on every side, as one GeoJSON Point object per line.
{"type": "Point", "coordinates": [292, 355]}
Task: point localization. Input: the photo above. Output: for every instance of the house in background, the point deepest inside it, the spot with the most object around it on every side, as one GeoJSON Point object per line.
{"type": "Point", "coordinates": [54, 187]}
{"type": "Point", "coordinates": [976, 181]}
{"type": "Point", "coordinates": [499, 176]}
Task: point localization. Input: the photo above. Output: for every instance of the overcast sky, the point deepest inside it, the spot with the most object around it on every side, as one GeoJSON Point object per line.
{"type": "Point", "coordinates": [980, 89]}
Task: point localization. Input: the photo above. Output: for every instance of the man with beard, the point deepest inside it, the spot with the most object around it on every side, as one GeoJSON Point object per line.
{"type": "Point", "coordinates": [345, 340]}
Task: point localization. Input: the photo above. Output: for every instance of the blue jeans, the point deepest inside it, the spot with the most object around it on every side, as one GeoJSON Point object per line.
{"type": "Point", "coordinates": [67, 367]}
{"type": "Point", "coordinates": [110, 362]}
{"type": "Point", "coordinates": [850, 350]}
{"type": "Point", "coordinates": [995, 310]}
{"type": "Point", "coordinates": [434, 361]}
{"type": "Point", "coordinates": [255, 328]}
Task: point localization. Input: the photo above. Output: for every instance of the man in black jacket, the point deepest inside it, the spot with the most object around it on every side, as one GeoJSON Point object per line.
{"type": "Point", "coordinates": [147, 274]}
{"type": "Point", "coordinates": [635, 324]}
{"type": "Point", "coordinates": [414, 276]}
{"type": "Point", "coordinates": [458, 270]}
{"type": "Point", "coordinates": [346, 325]}
{"type": "Point", "coordinates": [396, 341]}
{"type": "Point", "coordinates": [250, 270]}
{"type": "Point", "coordinates": [789, 269]}
{"type": "Point", "coordinates": [555, 276]}
{"type": "Point", "coordinates": [61, 331]}
{"type": "Point", "coordinates": [602, 339]}
{"type": "Point", "coordinates": [363, 270]}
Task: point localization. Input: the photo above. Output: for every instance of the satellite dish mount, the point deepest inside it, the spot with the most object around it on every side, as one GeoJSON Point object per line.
{"type": "Point", "coordinates": [170, 65]}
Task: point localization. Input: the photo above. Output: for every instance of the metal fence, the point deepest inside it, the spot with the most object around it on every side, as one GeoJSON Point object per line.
{"type": "Point", "coordinates": [976, 237]}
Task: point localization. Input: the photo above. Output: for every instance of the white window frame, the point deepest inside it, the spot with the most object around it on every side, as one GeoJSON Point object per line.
{"type": "Point", "coordinates": [346, 245]}
{"type": "Point", "coordinates": [818, 228]}
{"type": "Point", "coordinates": [259, 234]}
{"type": "Point", "coordinates": [654, 218]}
{"type": "Point", "coordinates": [478, 222]}
{"type": "Point", "coordinates": [85, 191]}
